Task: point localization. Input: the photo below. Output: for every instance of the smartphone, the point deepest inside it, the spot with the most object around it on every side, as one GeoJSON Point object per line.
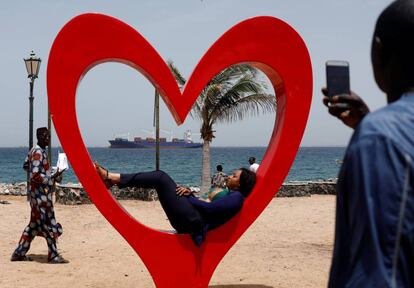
{"type": "Point", "coordinates": [337, 77]}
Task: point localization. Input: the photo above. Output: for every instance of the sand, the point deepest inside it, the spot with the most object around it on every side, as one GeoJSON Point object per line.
{"type": "Point", "coordinates": [289, 245]}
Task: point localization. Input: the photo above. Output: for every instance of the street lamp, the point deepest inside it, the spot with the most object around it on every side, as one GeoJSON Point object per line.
{"type": "Point", "coordinates": [32, 66]}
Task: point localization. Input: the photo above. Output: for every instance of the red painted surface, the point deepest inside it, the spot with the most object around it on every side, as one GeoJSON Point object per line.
{"type": "Point", "coordinates": [265, 42]}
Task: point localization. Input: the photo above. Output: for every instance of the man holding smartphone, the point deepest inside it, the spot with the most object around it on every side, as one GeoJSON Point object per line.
{"type": "Point", "coordinates": [374, 237]}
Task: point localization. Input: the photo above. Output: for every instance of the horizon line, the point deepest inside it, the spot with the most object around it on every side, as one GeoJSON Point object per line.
{"type": "Point", "coordinates": [220, 146]}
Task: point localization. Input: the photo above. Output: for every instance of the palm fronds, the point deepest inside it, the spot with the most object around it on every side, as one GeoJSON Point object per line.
{"type": "Point", "coordinates": [251, 105]}
{"type": "Point", "coordinates": [176, 73]}
{"type": "Point", "coordinates": [232, 95]}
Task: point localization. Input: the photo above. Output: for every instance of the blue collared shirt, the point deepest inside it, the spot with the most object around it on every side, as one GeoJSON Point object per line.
{"type": "Point", "coordinates": [374, 237]}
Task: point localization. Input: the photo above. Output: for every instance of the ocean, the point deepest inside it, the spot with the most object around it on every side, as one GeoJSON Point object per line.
{"type": "Point", "coordinates": [184, 165]}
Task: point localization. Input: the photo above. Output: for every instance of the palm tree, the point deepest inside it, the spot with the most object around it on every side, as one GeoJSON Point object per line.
{"type": "Point", "coordinates": [231, 95]}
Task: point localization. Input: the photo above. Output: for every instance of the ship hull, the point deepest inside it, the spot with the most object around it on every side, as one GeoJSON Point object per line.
{"type": "Point", "coordinates": [151, 145]}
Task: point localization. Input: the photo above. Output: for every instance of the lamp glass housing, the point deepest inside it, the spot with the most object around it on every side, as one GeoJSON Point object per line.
{"type": "Point", "coordinates": [32, 66]}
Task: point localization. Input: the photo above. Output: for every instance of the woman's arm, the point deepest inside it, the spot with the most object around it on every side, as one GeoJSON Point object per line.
{"type": "Point", "coordinates": [228, 204]}
{"type": "Point", "coordinates": [185, 191]}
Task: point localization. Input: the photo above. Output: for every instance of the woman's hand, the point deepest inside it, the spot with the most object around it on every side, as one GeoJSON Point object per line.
{"type": "Point", "coordinates": [183, 191]}
{"type": "Point", "coordinates": [349, 108]}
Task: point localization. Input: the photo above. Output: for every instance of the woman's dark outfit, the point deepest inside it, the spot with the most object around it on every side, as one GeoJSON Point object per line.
{"type": "Point", "coordinates": [186, 214]}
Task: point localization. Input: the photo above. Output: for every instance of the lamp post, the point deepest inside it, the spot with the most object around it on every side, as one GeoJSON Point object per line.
{"type": "Point", "coordinates": [49, 128]}
{"type": "Point", "coordinates": [32, 66]}
{"type": "Point", "coordinates": [157, 129]}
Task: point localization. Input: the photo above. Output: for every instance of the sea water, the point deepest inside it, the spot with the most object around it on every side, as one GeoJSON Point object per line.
{"type": "Point", "coordinates": [184, 165]}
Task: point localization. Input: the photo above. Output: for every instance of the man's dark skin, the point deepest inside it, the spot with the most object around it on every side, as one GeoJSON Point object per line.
{"type": "Point", "coordinates": [393, 68]}
{"type": "Point", "coordinates": [43, 141]}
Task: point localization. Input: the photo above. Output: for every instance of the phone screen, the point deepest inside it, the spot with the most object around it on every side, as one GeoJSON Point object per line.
{"type": "Point", "coordinates": [337, 77]}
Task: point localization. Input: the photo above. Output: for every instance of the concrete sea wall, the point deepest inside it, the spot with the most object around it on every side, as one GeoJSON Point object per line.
{"type": "Point", "coordinates": [74, 194]}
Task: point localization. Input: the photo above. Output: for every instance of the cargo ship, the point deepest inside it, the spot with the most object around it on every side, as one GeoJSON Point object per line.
{"type": "Point", "coordinates": [150, 142]}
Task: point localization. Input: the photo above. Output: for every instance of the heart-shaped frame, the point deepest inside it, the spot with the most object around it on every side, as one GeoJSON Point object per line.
{"type": "Point", "coordinates": [267, 43]}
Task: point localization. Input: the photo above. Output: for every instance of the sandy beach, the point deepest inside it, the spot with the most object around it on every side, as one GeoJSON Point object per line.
{"type": "Point", "coordinates": [289, 245]}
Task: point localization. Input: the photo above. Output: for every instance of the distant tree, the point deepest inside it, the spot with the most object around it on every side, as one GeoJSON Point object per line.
{"type": "Point", "coordinates": [231, 95]}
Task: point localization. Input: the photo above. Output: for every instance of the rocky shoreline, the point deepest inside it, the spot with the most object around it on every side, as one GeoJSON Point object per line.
{"type": "Point", "coordinates": [73, 194]}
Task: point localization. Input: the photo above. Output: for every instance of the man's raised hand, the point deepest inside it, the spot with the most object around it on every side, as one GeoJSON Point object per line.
{"type": "Point", "coordinates": [349, 108]}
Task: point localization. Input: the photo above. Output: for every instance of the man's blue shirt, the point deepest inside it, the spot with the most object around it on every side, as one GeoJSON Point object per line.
{"type": "Point", "coordinates": [374, 237]}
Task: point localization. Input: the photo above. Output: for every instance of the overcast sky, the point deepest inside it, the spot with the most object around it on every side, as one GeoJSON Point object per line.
{"type": "Point", "coordinates": [114, 98]}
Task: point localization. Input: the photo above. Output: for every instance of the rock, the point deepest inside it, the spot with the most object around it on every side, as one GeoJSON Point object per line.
{"type": "Point", "coordinates": [134, 193]}
{"type": "Point", "coordinates": [71, 196]}
{"type": "Point", "coordinates": [74, 194]}
{"type": "Point", "coordinates": [14, 189]}
{"type": "Point", "coordinates": [298, 189]}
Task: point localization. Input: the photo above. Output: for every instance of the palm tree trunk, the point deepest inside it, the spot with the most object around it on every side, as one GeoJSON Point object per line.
{"type": "Point", "coordinates": [205, 176]}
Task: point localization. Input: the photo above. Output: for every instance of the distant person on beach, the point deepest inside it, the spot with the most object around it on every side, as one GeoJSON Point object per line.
{"type": "Point", "coordinates": [186, 213]}
{"type": "Point", "coordinates": [219, 178]}
{"type": "Point", "coordinates": [218, 187]}
{"type": "Point", "coordinates": [253, 165]}
{"type": "Point", "coordinates": [374, 237]}
{"type": "Point", "coordinates": [42, 217]}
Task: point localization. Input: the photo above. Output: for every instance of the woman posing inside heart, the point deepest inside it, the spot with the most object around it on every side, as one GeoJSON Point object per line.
{"type": "Point", "coordinates": [187, 213]}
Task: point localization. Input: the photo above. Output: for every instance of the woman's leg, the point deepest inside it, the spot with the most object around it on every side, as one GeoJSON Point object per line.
{"type": "Point", "coordinates": [181, 213]}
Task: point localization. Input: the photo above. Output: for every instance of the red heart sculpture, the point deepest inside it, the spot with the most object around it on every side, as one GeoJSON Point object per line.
{"type": "Point", "coordinates": [264, 42]}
